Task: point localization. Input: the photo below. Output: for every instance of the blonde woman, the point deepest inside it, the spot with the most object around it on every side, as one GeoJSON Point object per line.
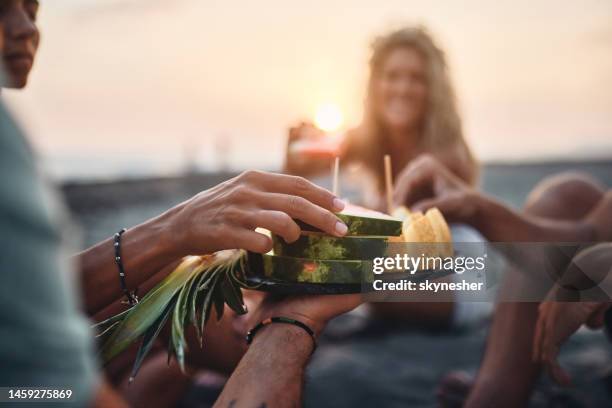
{"type": "Point", "coordinates": [410, 110]}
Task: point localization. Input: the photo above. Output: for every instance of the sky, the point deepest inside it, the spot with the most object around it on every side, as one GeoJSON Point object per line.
{"type": "Point", "coordinates": [128, 87]}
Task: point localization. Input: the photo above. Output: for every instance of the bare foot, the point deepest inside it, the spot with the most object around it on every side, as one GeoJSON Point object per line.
{"type": "Point", "coordinates": [453, 389]}
{"type": "Point", "coordinates": [557, 321]}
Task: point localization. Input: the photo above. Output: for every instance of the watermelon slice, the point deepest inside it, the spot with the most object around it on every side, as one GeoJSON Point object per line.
{"type": "Point", "coordinates": [326, 247]}
{"type": "Point", "coordinates": [297, 270]}
{"type": "Point", "coordinates": [361, 221]}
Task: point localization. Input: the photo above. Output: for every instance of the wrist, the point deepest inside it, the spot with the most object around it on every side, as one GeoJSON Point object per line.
{"type": "Point", "coordinates": [316, 325]}
{"type": "Point", "coordinates": [286, 341]}
{"type": "Point", "coordinates": [153, 240]}
{"type": "Point", "coordinates": [482, 209]}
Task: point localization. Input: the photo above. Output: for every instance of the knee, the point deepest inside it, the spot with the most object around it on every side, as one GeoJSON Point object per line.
{"type": "Point", "coordinates": [566, 196]}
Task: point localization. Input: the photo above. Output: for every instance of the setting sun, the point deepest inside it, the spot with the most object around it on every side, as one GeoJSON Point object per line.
{"type": "Point", "coordinates": [328, 117]}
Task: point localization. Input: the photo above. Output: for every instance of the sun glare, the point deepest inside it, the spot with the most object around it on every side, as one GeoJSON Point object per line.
{"type": "Point", "coordinates": [328, 117]}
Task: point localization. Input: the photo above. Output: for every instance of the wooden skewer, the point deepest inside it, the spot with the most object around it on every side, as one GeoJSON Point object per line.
{"type": "Point", "coordinates": [388, 184]}
{"type": "Point", "coordinates": [335, 173]}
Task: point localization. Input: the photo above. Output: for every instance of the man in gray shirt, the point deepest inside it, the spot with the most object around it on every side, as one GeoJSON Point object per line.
{"type": "Point", "coordinates": [44, 341]}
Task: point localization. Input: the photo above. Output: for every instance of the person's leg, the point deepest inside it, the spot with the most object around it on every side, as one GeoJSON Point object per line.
{"type": "Point", "coordinates": [507, 368]}
{"type": "Point", "coordinates": [565, 196]}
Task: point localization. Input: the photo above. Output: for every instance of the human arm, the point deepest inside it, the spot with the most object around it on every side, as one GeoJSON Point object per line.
{"type": "Point", "coordinates": [426, 183]}
{"type": "Point", "coordinates": [278, 357]}
{"type": "Point", "coordinates": [272, 371]}
{"type": "Point", "coordinates": [222, 217]}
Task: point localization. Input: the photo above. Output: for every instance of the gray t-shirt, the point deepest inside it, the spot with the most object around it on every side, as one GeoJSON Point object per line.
{"type": "Point", "coordinates": [44, 340]}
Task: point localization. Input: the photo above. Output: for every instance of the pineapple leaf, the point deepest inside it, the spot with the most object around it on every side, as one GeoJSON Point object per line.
{"type": "Point", "coordinates": [148, 340]}
{"type": "Point", "coordinates": [105, 325]}
{"type": "Point", "coordinates": [219, 303]}
{"type": "Point", "coordinates": [233, 295]}
{"type": "Point", "coordinates": [185, 296]}
{"type": "Point", "coordinates": [140, 317]}
{"type": "Point", "coordinates": [178, 320]}
{"type": "Point", "coordinates": [207, 294]}
{"type": "Point", "coordinates": [196, 301]}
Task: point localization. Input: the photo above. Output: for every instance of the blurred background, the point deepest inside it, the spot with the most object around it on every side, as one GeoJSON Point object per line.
{"type": "Point", "coordinates": [135, 105]}
{"type": "Point", "coordinates": [153, 87]}
{"type": "Point", "coordinates": [129, 96]}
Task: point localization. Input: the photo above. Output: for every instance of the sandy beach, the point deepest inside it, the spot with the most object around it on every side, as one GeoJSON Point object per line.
{"type": "Point", "coordinates": [360, 362]}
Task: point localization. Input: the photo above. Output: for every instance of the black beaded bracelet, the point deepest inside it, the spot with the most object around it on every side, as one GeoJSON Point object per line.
{"type": "Point", "coordinates": [132, 299]}
{"type": "Point", "coordinates": [286, 320]}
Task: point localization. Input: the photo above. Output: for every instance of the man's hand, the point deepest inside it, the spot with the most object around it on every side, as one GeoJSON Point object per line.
{"type": "Point", "coordinates": [426, 183]}
{"type": "Point", "coordinates": [557, 321]}
{"type": "Point", "coordinates": [226, 216]}
{"type": "Point", "coordinates": [271, 373]}
{"type": "Point", "coordinates": [314, 311]}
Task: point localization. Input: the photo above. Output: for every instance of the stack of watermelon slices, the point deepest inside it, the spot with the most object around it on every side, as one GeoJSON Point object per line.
{"type": "Point", "coordinates": [320, 263]}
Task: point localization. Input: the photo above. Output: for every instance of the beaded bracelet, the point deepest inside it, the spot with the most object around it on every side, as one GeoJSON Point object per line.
{"type": "Point", "coordinates": [132, 299]}
{"type": "Point", "coordinates": [286, 320]}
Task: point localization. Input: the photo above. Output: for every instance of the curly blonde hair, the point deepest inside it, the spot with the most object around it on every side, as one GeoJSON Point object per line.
{"type": "Point", "coordinates": [441, 127]}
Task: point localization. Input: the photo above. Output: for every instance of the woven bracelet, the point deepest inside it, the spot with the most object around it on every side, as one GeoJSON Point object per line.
{"type": "Point", "coordinates": [286, 320]}
{"type": "Point", "coordinates": [132, 299]}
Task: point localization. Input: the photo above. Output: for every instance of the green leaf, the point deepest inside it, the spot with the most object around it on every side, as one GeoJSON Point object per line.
{"type": "Point", "coordinates": [102, 336]}
{"type": "Point", "coordinates": [233, 295]}
{"type": "Point", "coordinates": [185, 296]}
{"type": "Point", "coordinates": [111, 321]}
{"type": "Point", "coordinates": [196, 301]}
{"type": "Point", "coordinates": [219, 301]}
{"type": "Point", "coordinates": [141, 316]}
{"type": "Point", "coordinates": [207, 292]}
{"type": "Point", "coordinates": [148, 340]}
{"type": "Point", "coordinates": [178, 323]}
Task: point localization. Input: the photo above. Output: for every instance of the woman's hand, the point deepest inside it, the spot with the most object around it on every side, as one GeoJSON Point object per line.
{"type": "Point", "coordinates": [557, 321]}
{"type": "Point", "coordinates": [304, 131]}
{"type": "Point", "coordinates": [426, 183]}
{"type": "Point", "coordinates": [226, 216]}
{"type": "Point", "coordinates": [310, 159]}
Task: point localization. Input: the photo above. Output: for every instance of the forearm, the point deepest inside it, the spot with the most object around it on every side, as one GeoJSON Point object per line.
{"type": "Point", "coordinates": [271, 373]}
{"type": "Point", "coordinates": [145, 249]}
{"type": "Point", "coordinates": [497, 222]}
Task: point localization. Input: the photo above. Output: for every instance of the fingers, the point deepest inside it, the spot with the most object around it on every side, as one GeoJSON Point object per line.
{"type": "Point", "coordinates": [302, 209]}
{"type": "Point", "coordinates": [454, 206]}
{"type": "Point", "coordinates": [424, 205]}
{"type": "Point", "coordinates": [299, 186]}
{"type": "Point", "coordinates": [414, 182]}
{"type": "Point", "coordinates": [546, 349]}
{"type": "Point", "coordinates": [277, 222]}
{"type": "Point", "coordinates": [292, 185]}
{"type": "Point", "coordinates": [304, 130]}
{"type": "Point", "coordinates": [541, 331]}
{"type": "Point", "coordinates": [249, 240]}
